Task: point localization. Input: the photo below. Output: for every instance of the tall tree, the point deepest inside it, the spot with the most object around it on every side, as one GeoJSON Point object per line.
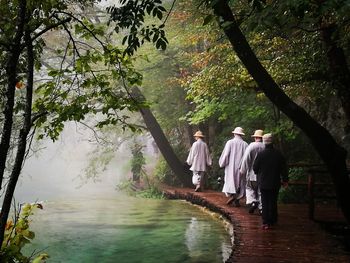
{"type": "Point", "coordinates": [333, 155]}
{"type": "Point", "coordinates": [161, 141]}
{"type": "Point", "coordinates": [329, 21]}
{"type": "Point", "coordinates": [140, 30]}
{"type": "Point", "coordinates": [86, 76]}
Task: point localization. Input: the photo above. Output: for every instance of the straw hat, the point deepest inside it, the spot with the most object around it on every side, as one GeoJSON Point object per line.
{"type": "Point", "coordinates": [238, 130]}
{"type": "Point", "coordinates": [267, 138]}
{"type": "Point", "coordinates": [198, 134]}
{"type": "Point", "coordinates": [258, 133]}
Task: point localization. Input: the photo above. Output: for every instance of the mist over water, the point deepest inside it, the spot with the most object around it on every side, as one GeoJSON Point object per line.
{"type": "Point", "coordinates": [57, 170]}
{"type": "Point", "coordinates": [93, 222]}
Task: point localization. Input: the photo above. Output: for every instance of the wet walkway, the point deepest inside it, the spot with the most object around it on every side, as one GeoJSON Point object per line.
{"type": "Point", "coordinates": [295, 239]}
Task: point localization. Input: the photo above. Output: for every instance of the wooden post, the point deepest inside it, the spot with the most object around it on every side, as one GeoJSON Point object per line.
{"type": "Point", "coordinates": [311, 183]}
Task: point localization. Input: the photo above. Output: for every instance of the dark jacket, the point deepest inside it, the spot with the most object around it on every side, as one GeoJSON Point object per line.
{"type": "Point", "coordinates": [271, 168]}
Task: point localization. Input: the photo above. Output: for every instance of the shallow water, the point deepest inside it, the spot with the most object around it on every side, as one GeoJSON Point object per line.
{"type": "Point", "coordinates": [125, 229]}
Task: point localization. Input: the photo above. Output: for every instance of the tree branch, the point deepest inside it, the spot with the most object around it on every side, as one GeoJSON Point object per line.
{"type": "Point", "coordinates": [61, 22]}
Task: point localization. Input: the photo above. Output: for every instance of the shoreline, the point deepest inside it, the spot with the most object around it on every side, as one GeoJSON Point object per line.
{"type": "Point", "coordinates": [197, 198]}
{"type": "Point", "coordinates": [294, 239]}
{"type": "Point", "coordinates": [229, 227]}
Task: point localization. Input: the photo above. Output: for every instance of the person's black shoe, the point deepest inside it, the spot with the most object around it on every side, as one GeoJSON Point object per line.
{"type": "Point", "coordinates": [236, 203]}
{"type": "Point", "coordinates": [252, 208]}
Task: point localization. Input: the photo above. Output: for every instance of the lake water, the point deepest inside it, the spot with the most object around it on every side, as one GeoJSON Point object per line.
{"type": "Point", "coordinates": [122, 229]}
{"type": "Point", "coordinates": [89, 221]}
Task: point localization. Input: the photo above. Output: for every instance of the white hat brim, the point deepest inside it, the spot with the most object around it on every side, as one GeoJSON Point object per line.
{"type": "Point", "coordinates": [238, 133]}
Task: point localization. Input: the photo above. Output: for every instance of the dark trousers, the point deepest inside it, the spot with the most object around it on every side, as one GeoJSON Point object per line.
{"type": "Point", "coordinates": [269, 206]}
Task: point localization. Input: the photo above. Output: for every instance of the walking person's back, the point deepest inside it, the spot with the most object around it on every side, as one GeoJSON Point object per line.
{"type": "Point", "coordinates": [271, 169]}
{"type": "Point", "coordinates": [230, 159]}
{"type": "Point", "coordinates": [199, 158]}
{"type": "Point", "coordinates": [253, 195]}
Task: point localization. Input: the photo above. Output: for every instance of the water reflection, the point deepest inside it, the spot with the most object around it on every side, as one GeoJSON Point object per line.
{"type": "Point", "coordinates": [124, 229]}
{"type": "Point", "coordinates": [194, 235]}
{"type": "Point", "coordinates": [197, 235]}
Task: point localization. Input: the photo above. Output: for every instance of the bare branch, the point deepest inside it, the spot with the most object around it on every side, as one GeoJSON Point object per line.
{"type": "Point", "coordinates": [170, 10]}
{"type": "Point", "coordinates": [61, 22]}
{"type": "Point", "coordinates": [85, 27]}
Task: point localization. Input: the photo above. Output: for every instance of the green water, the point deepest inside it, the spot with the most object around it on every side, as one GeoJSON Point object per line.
{"type": "Point", "coordinates": [125, 229]}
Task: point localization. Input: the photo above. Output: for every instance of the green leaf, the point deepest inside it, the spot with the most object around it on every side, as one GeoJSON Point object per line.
{"type": "Point", "coordinates": [159, 15]}
{"type": "Point", "coordinates": [124, 39]}
{"type": "Point", "coordinates": [149, 9]}
{"type": "Point", "coordinates": [41, 258]}
{"type": "Point", "coordinates": [207, 19]}
{"type": "Point", "coordinates": [162, 8]}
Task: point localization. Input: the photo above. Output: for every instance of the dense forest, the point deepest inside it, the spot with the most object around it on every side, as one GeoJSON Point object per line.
{"type": "Point", "coordinates": [169, 69]}
{"type": "Point", "coordinates": [287, 83]}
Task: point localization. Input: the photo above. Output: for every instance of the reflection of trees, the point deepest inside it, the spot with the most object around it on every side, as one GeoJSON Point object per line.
{"type": "Point", "coordinates": [200, 242]}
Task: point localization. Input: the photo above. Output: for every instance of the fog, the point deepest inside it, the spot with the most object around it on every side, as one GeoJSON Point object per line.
{"type": "Point", "coordinates": [57, 170]}
{"type": "Point", "coordinates": [106, 3]}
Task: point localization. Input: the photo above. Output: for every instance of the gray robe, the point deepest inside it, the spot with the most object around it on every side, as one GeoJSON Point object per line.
{"type": "Point", "coordinates": [248, 159]}
{"type": "Point", "coordinates": [231, 158]}
{"type": "Point", "coordinates": [199, 157]}
{"type": "Point", "coordinates": [252, 193]}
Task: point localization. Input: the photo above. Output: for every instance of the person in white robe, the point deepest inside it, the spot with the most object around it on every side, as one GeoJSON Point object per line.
{"type": "Point", "coordinates": [253, 195]}
{"type": "Point", "coordinates": [230, 159]}
{"type": "Point", "coordinates": [199, 159]}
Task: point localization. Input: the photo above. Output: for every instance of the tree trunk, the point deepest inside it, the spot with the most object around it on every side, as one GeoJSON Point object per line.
{"type": "Point", "coordinates": [338, 68]}
{"type": "Point", "coordinates": [188, 133]}
{"type": "Point", "coordinates": [11, 72]}
{"type": "Point", "coordinates": [22, 140]}
{"type": "Point", "coordinates": [212, 124]}
{"type": "Point", "coordinates": [163, 144]}
{"type": "Point", "coordinates": [331, 153]}
{"type": "Point", "coordinates": [188, 128]}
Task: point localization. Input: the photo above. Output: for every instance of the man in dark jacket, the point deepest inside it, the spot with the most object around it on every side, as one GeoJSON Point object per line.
{"type": "Point", "coordinates": [271, 169]}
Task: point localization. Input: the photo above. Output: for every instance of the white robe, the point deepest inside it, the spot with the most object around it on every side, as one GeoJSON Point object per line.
{"type": "Point", "coordinates": [231, 158]}
{"type": "Point", "coordinates": [247, 170]}
{"type": "Point", "coordinates": [199, 157]}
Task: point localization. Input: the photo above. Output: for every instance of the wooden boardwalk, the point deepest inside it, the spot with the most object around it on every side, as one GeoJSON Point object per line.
{"type": "Point", "coordinates": [295, 239]}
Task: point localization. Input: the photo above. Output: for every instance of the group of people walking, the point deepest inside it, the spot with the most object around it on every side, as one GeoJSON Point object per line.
{"type": "Point", "coordinates": [255, 171]}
